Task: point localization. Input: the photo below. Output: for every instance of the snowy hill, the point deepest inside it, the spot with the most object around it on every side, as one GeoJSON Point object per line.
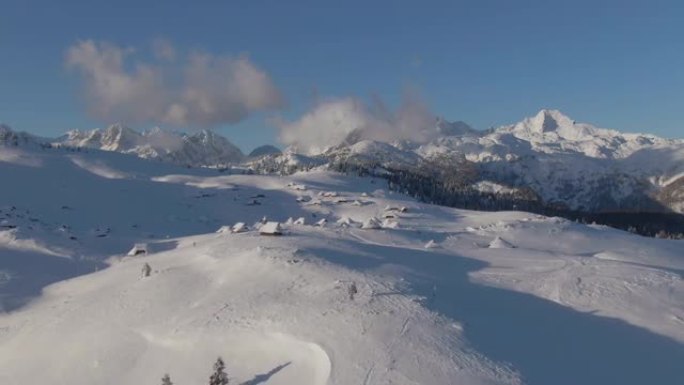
{"type": "Point", "coordinates": [496, 298]}
{"type": "Point", "coordinates": [202, 148]}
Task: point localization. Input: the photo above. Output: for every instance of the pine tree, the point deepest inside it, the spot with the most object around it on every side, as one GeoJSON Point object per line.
{"type": "Point", "coordinates": [166, 380]}
{"type": "Point", "coordinates": [219, 377]}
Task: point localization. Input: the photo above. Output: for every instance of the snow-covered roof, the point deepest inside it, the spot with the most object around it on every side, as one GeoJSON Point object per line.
{"type": "Point", "coordinates": [138, 248]}
{"type": "Point", "coordinates": [500, 243]}
{"type": "Point", "coordinates": [239, 227]}
{"type": "Point", "coordinates": [345, 222]}
{"type": "Point", "coordinates": [390, 224]}
{"type": "Point", "coordinates": [371, 223]}
{"type": "Point", "coordinates": [271, 228]}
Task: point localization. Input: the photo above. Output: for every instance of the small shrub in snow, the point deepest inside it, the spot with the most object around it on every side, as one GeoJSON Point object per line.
{"type": "Point", "coordinates": [146, 270]}
{"type": "Point", "coordinates": [352, 291]}
{"type": "Point", "coordinates": [166, 380]}
{"type": "Point", "coordinates": [219, 377]}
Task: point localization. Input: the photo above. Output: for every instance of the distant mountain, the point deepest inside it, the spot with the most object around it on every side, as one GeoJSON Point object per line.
{"type": "Point", "coordinates": [457, 128]}
{"type": "Point", "coordinates": [9, 137]}
{"type": "Point", "coordinates": [265, 150]}
{"type": "Point", "coordinates": [201, 148]}
{"type": "Point", "coordinates": [547, 161]}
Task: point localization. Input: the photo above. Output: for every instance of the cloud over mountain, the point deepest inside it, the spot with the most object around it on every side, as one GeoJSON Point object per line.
{"type": "Point", "coordinates": [196, 89]}
{"type": "Point", "coordinates": [331, 122]}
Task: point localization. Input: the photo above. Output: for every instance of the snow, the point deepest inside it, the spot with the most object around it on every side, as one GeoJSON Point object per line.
{"type": "Point", "coordinates": [569, 304]}
{"type": "Point", "coordinates": [493, 187]}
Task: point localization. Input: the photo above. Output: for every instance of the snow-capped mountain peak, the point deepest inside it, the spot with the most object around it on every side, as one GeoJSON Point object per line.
{"type": "Point", "coordinates": [118, 137]}
{"type": "Point", "coordinates": [203, 148]}
{"type": "Point", "coordinates": [552, 125]}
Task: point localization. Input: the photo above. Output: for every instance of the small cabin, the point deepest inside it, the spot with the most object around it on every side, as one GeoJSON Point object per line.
{"type": "Point", "coordinates": [401, 209]}
{"type": "Point", "coordinates": [239, 227]}
{"type": "Point", "coordinates": [345, 222]}
{"type": "Point", "coordinates": [271, 228]}
{"type": "Point", "coordinates": [371, 224]}
{"type": "Point", "coordinates": [139, 249]}
{"type": "Point", "coordinates": [390, 224]}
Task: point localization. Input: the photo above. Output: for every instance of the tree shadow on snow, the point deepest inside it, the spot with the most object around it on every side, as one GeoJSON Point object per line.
{"type": "Point", "coordinates": [262, 378]}
{"type": "Point", "coordinates": [548, 343]}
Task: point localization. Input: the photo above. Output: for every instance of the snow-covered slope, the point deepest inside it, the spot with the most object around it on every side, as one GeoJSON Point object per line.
{"type": "Point", "coordinates": [553, 302]}
{"type": "Point", "coordinates": [202, 148]}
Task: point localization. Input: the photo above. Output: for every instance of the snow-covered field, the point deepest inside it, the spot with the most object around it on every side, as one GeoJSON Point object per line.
{"type": "Point", "coordinates": [444, 296]}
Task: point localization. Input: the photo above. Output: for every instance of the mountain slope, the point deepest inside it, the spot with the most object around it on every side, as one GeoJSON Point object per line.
{"type": "Point", "coordinates": [556, 295]}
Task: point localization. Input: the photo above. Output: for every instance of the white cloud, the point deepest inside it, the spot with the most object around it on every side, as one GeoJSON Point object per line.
{"type": "Point", "coordinates": [329, 122]}
{"type": "Point", "coordinates": [203, 90]}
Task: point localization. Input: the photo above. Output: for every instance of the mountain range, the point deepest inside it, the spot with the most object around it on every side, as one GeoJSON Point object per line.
{"type": "Point", "coordinates": [547, 159]}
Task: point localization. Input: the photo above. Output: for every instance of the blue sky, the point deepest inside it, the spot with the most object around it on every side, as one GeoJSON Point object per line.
{"type": "Point", "coordinates": [616, 64]}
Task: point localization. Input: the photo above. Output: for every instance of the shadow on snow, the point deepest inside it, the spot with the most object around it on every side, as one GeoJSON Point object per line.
{"type": "Point", "coordinates": [548, 343]}
{"type": "Point", "coordinates": [262, 378]}
{"type": "Point", "coordinates": [30, 272]}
